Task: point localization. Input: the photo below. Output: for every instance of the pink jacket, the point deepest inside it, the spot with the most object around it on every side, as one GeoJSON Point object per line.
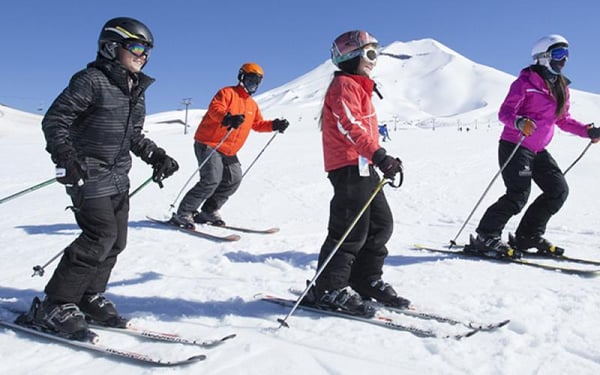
{"type": "Point", "coordinates": [349, 122]}
{"type": "Point", "coordinates": [529, 96]}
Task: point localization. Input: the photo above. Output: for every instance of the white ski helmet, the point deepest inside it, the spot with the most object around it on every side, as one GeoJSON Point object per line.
{"type": "Point", "coordinates": [542, 52]}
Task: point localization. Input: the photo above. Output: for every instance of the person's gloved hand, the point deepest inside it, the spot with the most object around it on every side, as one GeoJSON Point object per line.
{"type": "Point", "coordinates": [525, 125]}
{"type": "Point", "coordinates": [593, 133]}
{"type": "Point", "coordinates": [232, 121]}
{"type": "Point", "coordinates": [280, 125]}
{"type": "Point", "coordinates": [163, 165]}
{"type": "Point", "coordinates": [388, 165]}
{"type": "Point", "coordinates": [68, 169]}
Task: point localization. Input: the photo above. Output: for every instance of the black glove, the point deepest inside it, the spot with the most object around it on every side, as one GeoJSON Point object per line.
{"type": "Point", "coordinates": [280, 125]}
{"type": "Point", "coordinates": [593, 132]}
{"type": "Point", "coordinates": [232, 121]}
{"type": "Point", "coordinates": [163, 165]}
{"type": "Point", "coordinates": [388, 165]}
{"type": "Point", "coordinates": [68, 169]}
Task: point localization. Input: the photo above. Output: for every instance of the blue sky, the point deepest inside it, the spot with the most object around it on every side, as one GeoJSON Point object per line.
{"type": "Point", "coordinates": [200, 45]}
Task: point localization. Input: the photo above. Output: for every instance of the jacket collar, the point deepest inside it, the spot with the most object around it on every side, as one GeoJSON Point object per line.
{"type": "Point", "coordinates": [241, 91]}
{"type": "Point", "coordinates": [120, 76]}
{"type": "Point", "coordinates": [365, 82]}
{"type": "Point", "coordinates": [538, 75]}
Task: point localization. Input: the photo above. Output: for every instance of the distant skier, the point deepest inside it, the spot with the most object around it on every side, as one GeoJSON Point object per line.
{"type": "Point", "coordinates": [383, 130]}
{"type": "Point", "coordinates": [90, 130]}
{"type": "Point", "coordinates": [536, 101]}
{"type": "Point", "coordinates": [231, 108]}
{"type": "Point", "coordinates": [351, 149]}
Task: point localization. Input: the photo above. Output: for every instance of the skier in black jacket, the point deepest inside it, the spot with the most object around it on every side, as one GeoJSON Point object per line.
{"type": "Point", "coordinates": [90, 130]}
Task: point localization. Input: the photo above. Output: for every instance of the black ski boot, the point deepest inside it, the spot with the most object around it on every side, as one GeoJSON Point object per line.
{"type": "Point", "coordinates": [101, 310]}
{"type": "Point", "coordinates": [491, 247]}
{"type": "Point", "coordinates": [213, 218]}
{"type": "Point", "coordinates": [382, 292]}
{"type": "Point", "coordinates": [347, 301]}
{"type": "Point", "coordinates": [542, 245]}
{"type": "Point", "coordinates": [183, 220]}
{"type": "Point", "coordinates": [64, 320]}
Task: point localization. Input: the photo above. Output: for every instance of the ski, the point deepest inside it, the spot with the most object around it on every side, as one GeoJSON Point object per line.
{"type": "Point", "coordinates": [559, 258]}
{"type": "Point", "coordinates": [195, 232]}
{"type": "Point", "coordinates": [380, 319]}
{"type": "Point", "coordinates": [524, 262]}
{"type": "Point", "coordinates": [246, 230]}
{"type": "Point", "coordinates": [162, 336]}
{"type": "Point", "coordinates": [418, 313]}
{"type": "Point", "coordinates": [443, 319]}
{"type": "Point", "coordinates": [93, 345]}
{"type": "Point", "coordinates": [133, 330]}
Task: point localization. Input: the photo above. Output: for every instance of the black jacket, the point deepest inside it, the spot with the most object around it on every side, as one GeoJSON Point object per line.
{"type": "Point", "coordinates": [102, 119]}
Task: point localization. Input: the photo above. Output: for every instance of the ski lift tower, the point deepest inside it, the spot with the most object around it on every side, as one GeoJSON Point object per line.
{"type": "Point", "coordinates": [186, 103]}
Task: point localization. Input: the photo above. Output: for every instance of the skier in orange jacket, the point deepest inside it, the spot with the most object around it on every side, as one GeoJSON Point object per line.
{"type": "Point", "coordinates": [232, 108]}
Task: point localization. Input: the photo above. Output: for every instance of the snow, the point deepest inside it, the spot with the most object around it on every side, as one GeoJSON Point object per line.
{"type": "Point", "coordinates": [167, 280]}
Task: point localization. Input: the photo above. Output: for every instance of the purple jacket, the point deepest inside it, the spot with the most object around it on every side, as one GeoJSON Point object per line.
{"type": "Point", "coordinates": [529, 96]}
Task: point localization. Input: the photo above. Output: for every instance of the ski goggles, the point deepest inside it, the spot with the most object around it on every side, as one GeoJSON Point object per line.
{"type": "Point", "coordinates": [559, 53]}
{"type": "Point", "coordinates": [370, 55]}
{"type": "Point", "coordinates": [138, 49]}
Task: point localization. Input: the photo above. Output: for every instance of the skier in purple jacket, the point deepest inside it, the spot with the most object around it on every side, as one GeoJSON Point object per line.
{"type": "Point", "coordinates": [537, 100]}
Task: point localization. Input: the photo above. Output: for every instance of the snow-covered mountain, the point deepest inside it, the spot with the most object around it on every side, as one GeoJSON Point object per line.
{"type": "Point", "coordinates": [421, 81]}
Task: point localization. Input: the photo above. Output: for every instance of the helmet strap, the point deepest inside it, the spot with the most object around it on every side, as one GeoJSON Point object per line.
{"type": "Point", "coordinates": [109, 50]}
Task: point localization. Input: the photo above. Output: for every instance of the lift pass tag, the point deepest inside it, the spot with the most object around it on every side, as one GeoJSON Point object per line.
{"type": "Point", "coordinates": [363, 166]}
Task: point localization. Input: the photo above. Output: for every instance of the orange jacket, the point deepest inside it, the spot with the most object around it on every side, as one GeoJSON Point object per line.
{"type": "Point", "coordinates": [235, 100]}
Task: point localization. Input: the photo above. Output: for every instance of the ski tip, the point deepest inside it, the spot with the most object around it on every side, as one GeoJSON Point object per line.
{"type": "Point", "coordinates": [228, 337]}
{"type": "Point", "coordinates": [196, 358]}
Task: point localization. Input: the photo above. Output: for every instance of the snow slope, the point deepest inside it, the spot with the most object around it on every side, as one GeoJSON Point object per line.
{"type": "Point", "coordinates": [172, 281]}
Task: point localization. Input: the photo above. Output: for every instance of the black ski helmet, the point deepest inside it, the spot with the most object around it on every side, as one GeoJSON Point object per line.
{"type": "Point", "coordinates": [121, 29]}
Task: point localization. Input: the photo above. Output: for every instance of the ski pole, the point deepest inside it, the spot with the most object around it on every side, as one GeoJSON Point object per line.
{"type": "Point", "coordinates": [201, 165]}
{"type": "Point", "coordinates": [30, 189]}
{"type": "Point", "coordinates": [335, 249]}
{"type": "Point", "coordinates": [259, 154]}
{"type": "Point", "coordinates": [143, 185]}
{"type": "Point", "coordinates": [453, 242]}
{"type": "Point", "coordinates": [578, 158]}
{"type": "Point", "coordinates": [39, 270]}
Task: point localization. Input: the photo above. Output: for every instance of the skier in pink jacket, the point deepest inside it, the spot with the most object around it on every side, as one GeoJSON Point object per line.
{"type": "Point", "coordinates": [537, 100]}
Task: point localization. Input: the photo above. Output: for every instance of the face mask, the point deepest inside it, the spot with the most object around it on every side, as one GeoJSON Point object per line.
{"type": "Point", "coordinates": [250, 82]}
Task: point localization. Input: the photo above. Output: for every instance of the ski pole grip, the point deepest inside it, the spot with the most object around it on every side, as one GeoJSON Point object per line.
{"type": "Point", "coordinates": [399, 178]}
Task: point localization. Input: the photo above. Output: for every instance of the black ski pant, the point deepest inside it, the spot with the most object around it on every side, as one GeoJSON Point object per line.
{"type": "Point", "coordinates": [360, 258]}
{"type": "Point", "coordinates": [87, 262]}
{"type": "Point", "coordinates": [220, 177]}
{"type": "Point", "coordinates": [518, 174]}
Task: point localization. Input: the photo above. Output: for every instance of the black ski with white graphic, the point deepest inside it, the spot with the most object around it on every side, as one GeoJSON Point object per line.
{"type": "Point", "coordinates": [418, 313]}
{"type": "Point", "coordinates": [246, 230]}
{"type": "Point", "coordinates": [382, 318]}
{"type": "Point", "coordinates": [92, 345]}
{"type": "Point", "coordinates": [195, 232]}
{"type": "Point", "coordinates": [525, 262]}
{"type": "Point", "coordinates": [559, 258]}
{"type": "Point", "coordinates": [162, 336]}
